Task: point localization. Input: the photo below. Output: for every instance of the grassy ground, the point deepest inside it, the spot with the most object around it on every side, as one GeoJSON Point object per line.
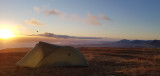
{"type": "Point", "coordinates": [103, 62]}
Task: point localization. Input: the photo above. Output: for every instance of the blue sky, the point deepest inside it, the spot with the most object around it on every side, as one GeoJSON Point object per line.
{"type": "Point", "coordinates": [129, 19]}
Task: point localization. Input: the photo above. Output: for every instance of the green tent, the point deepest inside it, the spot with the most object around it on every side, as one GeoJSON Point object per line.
{"type": "Point", "coordinates": [48, 55]}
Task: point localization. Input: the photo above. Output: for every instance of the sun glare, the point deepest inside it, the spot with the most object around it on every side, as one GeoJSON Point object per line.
{"type": "Point", "coordinates": [5, 34]}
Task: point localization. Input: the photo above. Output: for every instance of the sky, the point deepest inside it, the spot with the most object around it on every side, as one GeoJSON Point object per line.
{"type": "Point", "coordinates": [121, 19]}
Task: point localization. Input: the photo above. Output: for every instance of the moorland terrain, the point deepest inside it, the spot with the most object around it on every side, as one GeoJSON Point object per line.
{"type": "Point", "coordinates": [102, 62]}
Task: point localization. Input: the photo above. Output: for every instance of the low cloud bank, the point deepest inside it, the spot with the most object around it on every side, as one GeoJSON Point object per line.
{"type": "Point", "coordinates": [31, 40]}
{"type": "Point", "coordinates": [64, 36]}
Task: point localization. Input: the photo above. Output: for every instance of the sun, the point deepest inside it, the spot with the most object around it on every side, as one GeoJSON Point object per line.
{"type": "Point", "coordinates": [6, 33]}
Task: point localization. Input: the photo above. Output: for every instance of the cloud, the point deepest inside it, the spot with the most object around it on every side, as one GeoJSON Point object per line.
{"type": "Point", "coordinates": [90, 19]}
{"type": "Point", "coordinates": [50, 12]}
{"type": "Point", "coordinates": [54, 12]}
{"type": "Point", "coordinates": [36, 9]}
{"type": "Point", "coordinates": [30, 41]}
{"type": "Point", "coordinates": [75, 17]}
{"type": "Point", "coordinates": [93, 20]}
{"type": "Point", "coordinates": [104, 17]}
{"type": "Point", "coordinates": [64, 36]}
{"type": "Point", "coordinates": [33, 22]}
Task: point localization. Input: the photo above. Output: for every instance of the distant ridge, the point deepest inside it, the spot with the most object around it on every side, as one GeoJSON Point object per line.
{"type": "Point", "coordinates": [140, 43]}
{"type": "Point", "coordinates": [124, 43]}
{"type": "Point", "coordinates": [155, 43]}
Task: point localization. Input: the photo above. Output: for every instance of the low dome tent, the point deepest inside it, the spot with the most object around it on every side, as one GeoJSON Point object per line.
{"type": "Point", "coordinates": [50, 55]}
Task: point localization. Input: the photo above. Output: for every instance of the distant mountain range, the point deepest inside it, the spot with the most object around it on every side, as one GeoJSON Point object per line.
{"type": "Point", "coordinates": [139, 43]}
{"type": "Point", "coordinates": [124, 43]}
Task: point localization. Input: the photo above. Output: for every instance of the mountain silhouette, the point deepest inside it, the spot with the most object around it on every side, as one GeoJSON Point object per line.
{"type": "Point", "coordinates": [155, 43]}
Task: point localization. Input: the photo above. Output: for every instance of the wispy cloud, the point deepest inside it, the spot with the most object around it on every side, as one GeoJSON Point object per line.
{"type": "Point", "coordinates": [54, 12]}
{"type": "Point", "coordinates": [33, 22]}
{"type": "Point", "coordinates": [50, 12]}
{"type": "Point", "coordinates": [64, 36]}
{"type": "Point", "coordinates": [36, 9]}
{"type": "Point", "coordinates": [93, 20]}
{"type": "Point", "coordinates": [90, 19]}
{"type": "Point", "coordinates": [75, 17]}
{"type": "Point", "coordinates": [105, 17]}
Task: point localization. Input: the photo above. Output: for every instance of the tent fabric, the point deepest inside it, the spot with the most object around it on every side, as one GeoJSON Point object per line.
{"type": "Point", "coordinates": [50, 55]}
